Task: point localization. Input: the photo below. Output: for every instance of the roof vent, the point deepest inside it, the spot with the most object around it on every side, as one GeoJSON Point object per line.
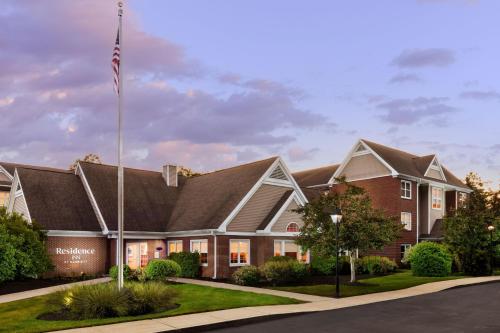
{"type": "Point", "coordinates": [278, 174]}
{"type": "Point", "coordinates": [170, 175]}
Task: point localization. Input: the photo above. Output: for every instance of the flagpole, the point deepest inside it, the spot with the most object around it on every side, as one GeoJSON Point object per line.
{"type": "Point", "coordinates": [120, 151]}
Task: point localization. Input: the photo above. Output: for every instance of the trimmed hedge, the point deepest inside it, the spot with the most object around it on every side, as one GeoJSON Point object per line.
{"type": "Point", "coordinates": [247, 276]}
{"type": "Point", "coordinates": [430, 259]}
{"type": "Point", "coordinates": [375, 265]}
{"type": "Point", "coordinates": [189, 263]}
{"type": "Point", "coordinates": [161, 269]}
{"type": "Point", "coordinates": [128, 274]}
{"type": "Point", "coordinates": [281, 271]}
{"type": "Point", "coordinates": [321, 265]}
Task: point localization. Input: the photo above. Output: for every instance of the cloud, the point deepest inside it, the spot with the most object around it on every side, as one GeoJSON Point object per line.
{"type": "Point", "coordinates": [416, 58]}
{"type": "Point", "coordinates": [481, 95]}
{"type": "Point", "coordinates": [403, 78]}
{"type": "Point", "coordinates": [300, 154]}
{"type": "Point", "coordinates": [406, 111]}
{"type": "Point", "coordinates": [57, 102]}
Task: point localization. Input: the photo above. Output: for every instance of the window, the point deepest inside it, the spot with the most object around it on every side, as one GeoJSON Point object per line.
{"type": "Point", "coordinates": [137, 254]}
{"type": "Point", "coordinates": [292, 227]}
{"type": "Point", "coordinates": [462, 199]}
{"type": "Point", "coordinates": [174, 246]}
{"type": "Point", "coordinates": [437, 198]}
{"type": "Point", "coordinates": [290, 249]}
{"type": "Point", "coordinates": [4, 197]}
{"type": "Point", "coordinates": [201, 246]}
{"type": "Point", "coordinates": [404, 248]}
{"type": "Point", "coordinates": [239, 252]}
{"type": "Point", "coordinates": [405, 189]}
{"type": "Point", "coordinates": [406, 220]}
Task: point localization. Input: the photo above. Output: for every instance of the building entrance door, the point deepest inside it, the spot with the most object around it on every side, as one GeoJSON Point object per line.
{"type": "Point", "coordinates": [137, 254]}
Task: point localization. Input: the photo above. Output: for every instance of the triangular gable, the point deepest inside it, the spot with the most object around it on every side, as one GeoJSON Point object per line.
{"type": "Point", "coordinates": [434, 170]}
{"type": "Point", "coordinates": [17, 200]}
{"type": "Point", "coordinates": [361, 155]}
{"type": "Point", "coordinates": [284, 216]}
{"type": "Point", "coordinates": [278, 168]}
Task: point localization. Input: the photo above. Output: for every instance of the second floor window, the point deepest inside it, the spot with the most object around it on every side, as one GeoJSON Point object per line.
{"type": "Point", "coordinates": [292, 227]}
{"type": "Point", "coordinates": [437, 198]}
{"type": "Point", "coordinates": [406, 220]}
{"type": "Point", "coordinates": [405, 189]}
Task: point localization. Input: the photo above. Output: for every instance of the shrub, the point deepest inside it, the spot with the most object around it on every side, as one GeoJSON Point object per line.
{"type": "Point", "coordinates": [105, 300]}
{"type": "Point", "coordinates": [325, 265]}
{"type": "Point", "coordinates": [127, 272]}
{"type": "Point", "coordinates": [247, 276]}
{"type": "Point", "coordinates": [161, 269]}
{"type": "Point", "coordinates": [23, 245]}
{"type": "Point", "coordinates": [97, 301]}
{"type": "Point", "coordinates": [189, 263]}
{"type": "Point", "coordinates": [281, 259]}
{"type": "Point", "coordinates": [430, 259]}
{"type": "Point", "coordinates": [375, 265]}
{"type": "Point", "coordinates": [280, 271]}
{"type": "Point", "coordinates": [150, 297]}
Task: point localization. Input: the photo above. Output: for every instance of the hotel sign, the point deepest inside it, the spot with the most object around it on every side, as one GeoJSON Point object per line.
{"type": "Point", "coordinates": [75, 255]}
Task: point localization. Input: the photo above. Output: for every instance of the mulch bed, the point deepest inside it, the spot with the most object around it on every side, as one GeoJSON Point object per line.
{"type": "Point", "coordinates": [10, 287]}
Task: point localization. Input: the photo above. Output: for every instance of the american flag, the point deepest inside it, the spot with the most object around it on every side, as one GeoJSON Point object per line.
{"type": "Point", "coordinates": [115, 64]}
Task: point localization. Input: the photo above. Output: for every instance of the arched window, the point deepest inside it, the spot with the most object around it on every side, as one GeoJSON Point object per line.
{"type": "Point", "coordinates": [292, 227]}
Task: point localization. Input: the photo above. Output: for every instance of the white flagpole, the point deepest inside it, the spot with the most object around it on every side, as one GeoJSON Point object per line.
{"type": "Point", "coordinates": [120, 151]}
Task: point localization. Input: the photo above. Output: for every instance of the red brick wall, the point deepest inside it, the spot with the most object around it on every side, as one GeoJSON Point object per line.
{"type": "Point", "coordinates": [73, 256]}
{"type": "Point", "coordinates": [385, 193]}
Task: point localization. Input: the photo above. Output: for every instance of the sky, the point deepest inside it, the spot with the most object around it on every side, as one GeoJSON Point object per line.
{"type": "Point", "coordinates": [212, 84]}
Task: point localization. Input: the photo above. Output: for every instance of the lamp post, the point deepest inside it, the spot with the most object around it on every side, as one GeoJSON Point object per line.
{"type": "Point", "coordinates": [491, 228]}
{"type": "Point", "coordinates": [336, 216]}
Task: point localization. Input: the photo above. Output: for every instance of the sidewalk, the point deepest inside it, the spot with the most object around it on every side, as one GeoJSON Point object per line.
{"type": "Point", "coordinates": [44, 291]}
{"type": "Point", "coordinates": [318, 304]}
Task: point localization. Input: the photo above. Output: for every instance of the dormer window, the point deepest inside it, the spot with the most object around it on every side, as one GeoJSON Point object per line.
{"type": "Point", "coordinates": [292, 227]}
{"type": "Point", "coordinates": [405, 189]}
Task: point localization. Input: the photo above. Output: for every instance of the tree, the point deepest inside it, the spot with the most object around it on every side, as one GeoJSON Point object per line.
{"type": "Point", "coordinates": [22, 248]}
{"type": "Point", "coordinates": [466, 230]}
{"type": "Point", "coordinates": [187, 172]}
{"type": "Point", "coordinates": [91, 158]}
{"type": "Point", "coordinates": [363, 227]}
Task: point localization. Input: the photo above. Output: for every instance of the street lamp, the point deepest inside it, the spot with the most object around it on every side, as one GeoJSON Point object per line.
{"type": "Point", "coordinates": [336, 216]}
{"type": "Point", "coordinates": [491, 228]}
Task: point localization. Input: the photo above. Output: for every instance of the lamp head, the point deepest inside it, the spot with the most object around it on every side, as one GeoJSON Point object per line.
{"type": "Point", "coordinates": [491, 227]}
{"type": "Point", "coordinates": [335, 214]}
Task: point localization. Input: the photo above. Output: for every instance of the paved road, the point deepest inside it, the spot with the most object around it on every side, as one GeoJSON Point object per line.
{"type": "Point", "coordinates": [468, 309]}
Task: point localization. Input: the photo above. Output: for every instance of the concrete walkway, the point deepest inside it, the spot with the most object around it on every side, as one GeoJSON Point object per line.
{"type": "Point", "coordinates": [318, 304]}
{"type": "Point", "coordinates": [44, 291]}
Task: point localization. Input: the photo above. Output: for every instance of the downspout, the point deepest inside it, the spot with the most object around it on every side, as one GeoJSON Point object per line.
{"type": "Point", "coordinates": [418, 210]}
{"type": "Point", "coordinates": [215, 256]}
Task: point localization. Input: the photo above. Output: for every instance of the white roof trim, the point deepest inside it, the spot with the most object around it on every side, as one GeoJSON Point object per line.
{"type": "Point", "coordinates": [280, 212]}
{"type": "Point", "coordinates": [14, 194]}
{"type": "Point", "coordinates": [5, 172]}
{"type": "Point", "coordinates": [93, 202]}
{"type": "Point", "coordinates": [352, 153]}
{"type": "Point", "coordinates": [439, 168]}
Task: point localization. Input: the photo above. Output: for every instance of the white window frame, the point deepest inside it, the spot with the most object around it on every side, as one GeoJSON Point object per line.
{"type": "Point", "coordinates": [406, 226]}
{"type": "Point", "coordinates": [176, 241]}
{"type": "Point", "coordinates": [199, 241]}
{"type": "Point", "coordinates": [299, 250]}
{"type": "Point", "coordinates": [238, 264]}
{"type": "Point", "coordinates": [403, 189]}
{"type": "Point", "coordinates": [407, 246]}
{"type": "Point", "coordinates": [460, 202]}
{"type": "Point", "coordinates": [440, 198]}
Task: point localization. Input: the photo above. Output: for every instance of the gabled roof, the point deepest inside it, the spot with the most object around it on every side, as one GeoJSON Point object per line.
{"type": "Point", "coordinates": [11, 167]}
{"type": "Point", "coordinates": [148, 200]}
{"type": "Point", "coordinates": [411, 165]}
{"type": "Point", "coordinates": [56, 199]}
{"type": "Point", "coordinates": [314, 177]}
{"type": "Point", "coordinates": [206, 201]}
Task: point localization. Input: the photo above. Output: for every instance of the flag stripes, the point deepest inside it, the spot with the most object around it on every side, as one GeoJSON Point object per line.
{"type": "Point", "coordinates": [115, 64]}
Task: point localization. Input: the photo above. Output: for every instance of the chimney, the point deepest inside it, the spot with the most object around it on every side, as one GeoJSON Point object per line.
{"type": "Point", "coordinates": [170, 174]}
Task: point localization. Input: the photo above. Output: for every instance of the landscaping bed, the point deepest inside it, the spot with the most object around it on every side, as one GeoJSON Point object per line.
{"type": "Point", "coordinates": [22, 316]}
{"type": "Point", "coordinates": [400, 280]}
{"type": "Point", "coordinates": [9, 287]}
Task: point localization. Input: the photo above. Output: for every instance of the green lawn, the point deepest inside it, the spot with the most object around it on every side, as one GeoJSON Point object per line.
{"type": "Point", "coordinates": [20, 316]}
{"type": "Point", "coordinates": [401, 280]}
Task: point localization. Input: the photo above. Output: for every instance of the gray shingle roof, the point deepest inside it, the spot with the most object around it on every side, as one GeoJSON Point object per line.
{"type": "Point", "coordinates": [317, 176]}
